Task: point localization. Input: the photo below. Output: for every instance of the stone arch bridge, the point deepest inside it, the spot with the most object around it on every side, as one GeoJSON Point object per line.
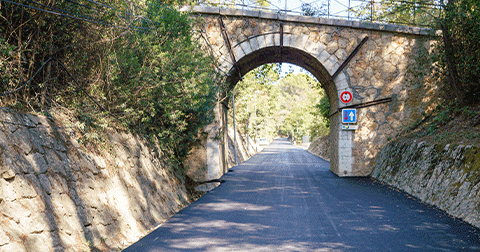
{"type": "Point", "coordinates": [384, 67]}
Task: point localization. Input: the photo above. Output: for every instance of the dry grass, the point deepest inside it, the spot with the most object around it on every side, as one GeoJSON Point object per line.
{"type": "Point", "coordinates": [448, 126]}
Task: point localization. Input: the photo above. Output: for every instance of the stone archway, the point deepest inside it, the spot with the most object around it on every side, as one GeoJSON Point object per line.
{"type": "Point", "coordinates": [341, 160]}
{"type": "Point", "coordinates": [278, 54]}
{"type": "Point", "coordinates": [385, 69]}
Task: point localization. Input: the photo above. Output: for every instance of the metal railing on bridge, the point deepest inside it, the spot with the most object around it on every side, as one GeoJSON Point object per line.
{"type": "Point", "coordinates": [422, 13]}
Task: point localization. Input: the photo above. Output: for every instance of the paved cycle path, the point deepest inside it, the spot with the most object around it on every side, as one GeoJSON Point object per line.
{"type": "Point", "coordinates": [286, 199]}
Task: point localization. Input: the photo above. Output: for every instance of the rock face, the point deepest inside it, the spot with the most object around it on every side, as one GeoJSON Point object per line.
{"type": "Point", "coordinates": [58, 195]}
{"type": "Point", "coordinates": [245, 148]}
{"type": "Point", "coordinates": [445, 176]}
{"type": "Point", "coordinates": [320, 146]}
{"type": "Point", "coordinates": [197, 162]}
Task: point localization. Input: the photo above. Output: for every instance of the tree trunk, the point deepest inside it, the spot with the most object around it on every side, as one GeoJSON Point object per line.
{"type": "Point", "coordinates": [453, 77]}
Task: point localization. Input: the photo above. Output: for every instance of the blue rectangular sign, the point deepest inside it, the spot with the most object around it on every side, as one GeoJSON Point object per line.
{"type": "Point", "coordinates": [349, 115]}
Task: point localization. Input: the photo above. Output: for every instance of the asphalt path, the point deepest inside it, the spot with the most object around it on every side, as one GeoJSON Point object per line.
{"type": "Point", "coordinates": [286, 199]}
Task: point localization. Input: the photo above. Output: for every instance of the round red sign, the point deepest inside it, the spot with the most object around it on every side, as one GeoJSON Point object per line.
{"type": "Point", "coordinates": [346, 97]}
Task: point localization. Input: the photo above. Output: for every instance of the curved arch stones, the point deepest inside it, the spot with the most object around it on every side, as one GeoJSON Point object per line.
{"type": "Point", "coordinates": [387, 66]}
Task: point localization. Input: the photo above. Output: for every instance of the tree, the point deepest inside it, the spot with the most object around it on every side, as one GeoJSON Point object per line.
{"type": "Point", "coordinates": [287, 106]}
{"type": "Point", "coordinates": [310, 9]}
{"type": "Point", "coordinates": [301, 96]}
{"type": "Point", "coordinates": [144, 68]}
{"type": "Point", "coordinates": [256, 100]}
{"type": "Point", "coordinates": [163, 84]}
{"type": "Point", "coordinates": [459, 51]}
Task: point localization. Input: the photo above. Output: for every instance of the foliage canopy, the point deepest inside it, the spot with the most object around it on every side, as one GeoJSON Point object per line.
{"type": "Point", "coordinates": [458, 53]}
{"type": "Point", "coordinates": [138, 61]}
{"type": "Point", "coordinates": [290, 106]}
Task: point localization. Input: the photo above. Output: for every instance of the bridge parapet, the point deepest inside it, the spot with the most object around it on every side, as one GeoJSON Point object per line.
{"type": "Point", "coordinates": [282, 17]}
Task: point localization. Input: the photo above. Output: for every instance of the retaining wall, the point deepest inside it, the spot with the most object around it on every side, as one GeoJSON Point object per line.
{"type": "Point", "coordinates": [447, 176]}
{"type": "Point", "coordinates": [59, 195]}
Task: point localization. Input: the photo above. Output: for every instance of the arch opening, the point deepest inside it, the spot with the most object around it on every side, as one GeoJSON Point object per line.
{"type": "Point", "coordinates": [277, 54]}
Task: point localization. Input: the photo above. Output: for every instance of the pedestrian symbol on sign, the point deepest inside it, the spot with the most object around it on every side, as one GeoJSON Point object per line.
{"type": "Point", "coordinates": [349, 115]}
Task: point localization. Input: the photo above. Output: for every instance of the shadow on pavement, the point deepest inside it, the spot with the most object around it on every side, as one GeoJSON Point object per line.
{"type": "Point", "coordinates": [286, 199]}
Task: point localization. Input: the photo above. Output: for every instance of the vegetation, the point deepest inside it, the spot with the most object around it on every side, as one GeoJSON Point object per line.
{"type": "Point", "coordinates": [448, 124]}
{"type": "Point", "coordinates": [417, 12]}
{"type": "Point", "coordinates": [458, 52]}
{"type": "Point", "coordinates": [291, 106]}
{"type": "Point", "coordinates": [311, 9]}
{"type": "Point", "coordinates": [302, 107]}
{"type": "Point", "coordinates": [255, 4]}
{"type": "Point", "coordinates": [256, 101]}
{"type": "Point", "coordinates": [135, 66]}
{"type": "Point", "coordinates": [456, 55]}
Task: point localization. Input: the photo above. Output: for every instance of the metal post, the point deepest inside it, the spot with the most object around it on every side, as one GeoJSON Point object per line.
{"type": "Point", "coordinates": [256, 92]}
{"type": "Point", "coordinates": [256, 149]}
{"type": "Point", "coordinates": [371, 11]}
{"type": "Point", "coordinates": [297, 130]}
{"type": "Point", "coordinates": [248, 128]}
{"type": "Point", "coordinates": [265, 129]}
{"type": "Point", "coordinates": [234, 130]}
{"type": "Point", "coordinates": [344, 64]}
{"type": "Point", "coordinates": [414, 12]}
{"type": "Point", "coordinates": [348, 12]}
{"type": "Point", "coordinates": [328, 9]}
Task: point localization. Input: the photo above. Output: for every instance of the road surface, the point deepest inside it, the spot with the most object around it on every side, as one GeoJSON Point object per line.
{"type": "Point", "coordinates": [286, 199]}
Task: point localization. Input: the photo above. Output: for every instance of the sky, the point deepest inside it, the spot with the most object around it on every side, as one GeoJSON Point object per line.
{"type": "Point", "coordinates": [336, 7]}
{"type": "Point", "coordinates": [287, 67]}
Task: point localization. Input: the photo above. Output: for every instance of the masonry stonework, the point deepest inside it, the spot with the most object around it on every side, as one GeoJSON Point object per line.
{"type": "Point", "coordinates": [58, 195]}
{"type": "Point", "coordinates": [391, 64]}
{"type": "Point", "coordinates": [445, 176]}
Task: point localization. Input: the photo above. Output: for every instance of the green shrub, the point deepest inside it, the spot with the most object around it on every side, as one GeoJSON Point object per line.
{"type": "Point", "coordinates": [145, 69]}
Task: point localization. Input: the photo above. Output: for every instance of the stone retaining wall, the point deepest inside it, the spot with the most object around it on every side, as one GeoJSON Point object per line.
{"type": "Point", "coordinates": [196, 164]}
{"type": "Point", "coordinates": [320, 146]}
{"type": "Point", "coordinates": [445, 176]}
{"type": "Point", "coordinates": [245, 149]}
{"type": "Point", "coordinates": [58, 195]}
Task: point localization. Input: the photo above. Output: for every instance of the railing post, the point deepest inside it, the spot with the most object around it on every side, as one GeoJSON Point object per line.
{"type": "Point", "coordinates": [234, 129]}
{"type": "Point", "coordinates": [371, 11]}
{"type": "Point", "coordinates": [414, 12]}
{"type": "Point", "coordinates": [348, 11]}
{"type": "Point", "coordinates": [328, 11]}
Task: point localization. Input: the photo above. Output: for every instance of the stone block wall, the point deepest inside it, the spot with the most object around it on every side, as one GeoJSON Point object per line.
{"type": "Point", "coordinates": [445, 176]}
{"type": "Point", "coordinates": [320, 146]}
{"type": "Point", "coordinates": [392, 66]}
{"type": "Point", "coordinates": [197, 162]}
{"type": "Point", "coordinates": [59, 195]}
{"type": "Point", "coordinates": [245, 148]}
